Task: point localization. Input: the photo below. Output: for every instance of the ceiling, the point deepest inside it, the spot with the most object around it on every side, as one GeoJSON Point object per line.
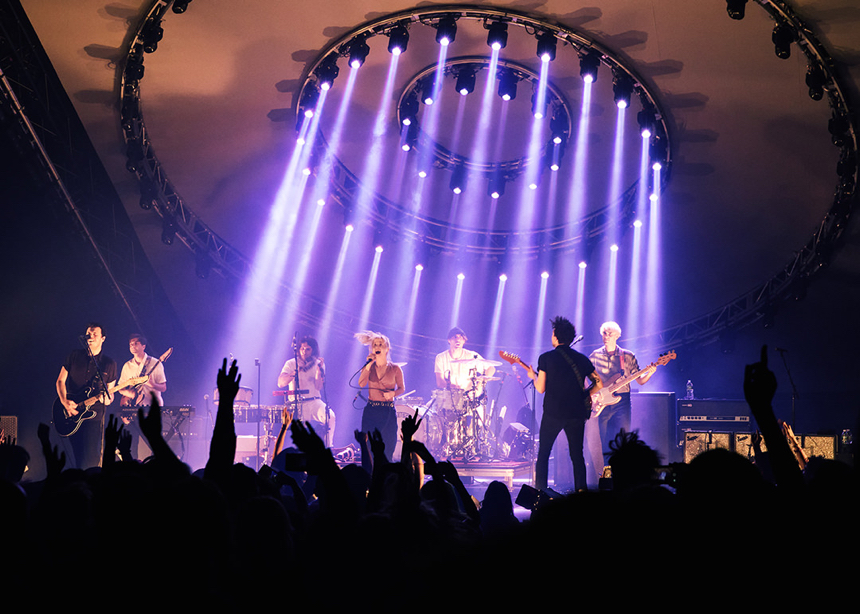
{"type": "Point", "coordinates": [752, 173]}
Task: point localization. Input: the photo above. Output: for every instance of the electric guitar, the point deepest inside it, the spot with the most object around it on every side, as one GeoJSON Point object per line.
{"type": "Point", "coordinates": [514, 359]}
{"type": "Point", "coordinates": [606, 396]}
{"type": "Point", "coordinates": [67, 425]}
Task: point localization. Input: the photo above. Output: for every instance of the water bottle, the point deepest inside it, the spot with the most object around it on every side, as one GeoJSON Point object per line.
{"type": "Point", "coordinates": [690, 395]}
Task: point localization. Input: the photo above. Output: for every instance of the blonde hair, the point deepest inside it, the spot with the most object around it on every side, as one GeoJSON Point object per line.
{"type": "Point", "coordinates": [610, 326]}
{"type": "Point", "coordinates": [366, 337]}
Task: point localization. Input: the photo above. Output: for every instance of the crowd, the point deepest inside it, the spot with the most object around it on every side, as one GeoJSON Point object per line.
{"type": "Point", "coordinates": [380, 538]}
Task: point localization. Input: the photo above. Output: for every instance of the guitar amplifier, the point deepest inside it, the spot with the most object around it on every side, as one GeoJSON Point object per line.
{"type": "Point", "coordinates": [696, 442]}
{"type": "Point", "coordinates": [712, 414]}
{"type": "Point", "coordinates": [9, 426]}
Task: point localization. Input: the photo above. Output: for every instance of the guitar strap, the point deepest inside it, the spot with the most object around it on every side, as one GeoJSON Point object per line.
{"type": "Point", "coordinates": [580, 380]}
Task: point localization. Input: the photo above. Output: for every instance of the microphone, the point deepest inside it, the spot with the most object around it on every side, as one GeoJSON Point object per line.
{"type": "Point", "coordinates": [577, 339]}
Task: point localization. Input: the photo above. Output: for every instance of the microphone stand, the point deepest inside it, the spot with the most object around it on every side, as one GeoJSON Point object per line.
{"type": "Point", "coordinates": [794, 395]}
{"type": "Point", "coordinates": [259, 412]}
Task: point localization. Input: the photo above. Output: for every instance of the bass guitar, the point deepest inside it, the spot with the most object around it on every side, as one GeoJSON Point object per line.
{"type": "Point", "coordinates": [606, 396]}
{"type": "Point", "coordinates": [67, 425]}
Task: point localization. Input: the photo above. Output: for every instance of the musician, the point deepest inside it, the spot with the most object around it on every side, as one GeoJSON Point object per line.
{"type": "Point", "coordinates": [384, 381]}
{"type": "Point", "coordinates": [85, 374]}
{"type": "Point", "coordinates": [140, 364]}
{"type": "Point", "coordinates": [311, 378]}
{"type": "Point", "coordinates": [458, 375]}
{"type": "Point", "coordinates": [560, 377]}
{"type": "Point", "coordinates": [613, 362]}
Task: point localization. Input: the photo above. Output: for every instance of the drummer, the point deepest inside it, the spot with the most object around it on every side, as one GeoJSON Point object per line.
{"type": "Point", "coordinates": [456, 366]}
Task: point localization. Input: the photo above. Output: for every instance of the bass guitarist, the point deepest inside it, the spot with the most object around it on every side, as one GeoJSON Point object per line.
{"type": "Point", "coordinates": [86, 374]}
{"type": "Point", "coordinates": [612, 363]}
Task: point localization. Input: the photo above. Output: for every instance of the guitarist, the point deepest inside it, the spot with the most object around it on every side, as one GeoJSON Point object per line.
{"type": "Point", "coordinates": [87, 373]}
{"type": "Point", "coordinates": [142, 363]}
{"type": "Point", "coordinates": [613, 362]}
{"type": "Point", "coordinates": [560, 375]}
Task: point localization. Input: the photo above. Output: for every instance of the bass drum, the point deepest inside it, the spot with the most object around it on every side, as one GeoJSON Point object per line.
{"type": "Point", "coordinates": [429, 431]}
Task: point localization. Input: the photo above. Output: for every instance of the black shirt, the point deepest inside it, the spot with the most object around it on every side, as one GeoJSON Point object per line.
{"type": "Point", "coordinates": [564, 396]}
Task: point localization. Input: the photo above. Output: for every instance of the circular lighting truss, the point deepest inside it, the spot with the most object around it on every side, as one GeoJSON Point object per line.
{"type": "Point", "coordinates": [212, 253]}
{"type": "Point", "coordinates": [550, 39]}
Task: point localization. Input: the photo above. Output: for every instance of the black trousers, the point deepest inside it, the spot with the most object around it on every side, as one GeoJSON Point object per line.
{"type": "Point", "coordinates": [550, 427]}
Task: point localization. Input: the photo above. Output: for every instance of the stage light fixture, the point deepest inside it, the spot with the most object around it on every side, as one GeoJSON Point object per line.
{"type": "Point", "coordinates": [613, 248]}
{"type": "Point", "coordinates": [507, 84]}
{"type": "Point", "coordinates": [546, 44]}
{"type": "Point", "coordinates": [134, 156]}
{"type": "Point", "coordinates": [358, 50]}
{"type": "Point", "coordinates": [782, 37]}
{"type": "Point", "coordinates": [446, 31]}
{"type": "Point", "coordinates": [151, 35]}
{"type": "Point", "coordinates": [838, 126]}
{"type": "Point", "coordinates": [497, 36]}
{"type": "Point", "coordinates": [409, 109]}
{"type": "Point", "coordinates": [327, 71]}
{"type": "Point", "coordinates": [558, 126]}
{"type": "Point", "coordinates": [646, 118]}
{"type": "Point", "coordinates": [398, 39]}
{"type": "Point", "coordinates": [134, 67]}
{"type": "Point", "coordinates": [657, 152]}
{"type": "Point", "coordinates": [539, 107]}
{"type": "Point", "coordinates": [544, 275]}
{"type": "Point", "coordinates": [309, 100]}
{"type": "Point", "coordinates": [637, 224]}
{"type": "Point", "coordinates": [503, 277]}
{"type": "Point", "coordinates": [461, 277]}
{"type": "Point", "coordinates": [427, 87]}
{"type": "Point", "coordinates": [496, 185]}
{"type": "Point", "coordinates": [411, 138]}
{"type": "Point", "coordinates": [465, 81]}
{"type": "Point", "coordinates": [588, 65]}
{"type": "Point", "coordinates": [458, 179]}
{"type": "Point", "coordinates": [622, 89]}
{"type": "Point", "coordinates": [816, 80]}
{"type": "Point", "coordinates": [180, 6]}
{"type": "Point", "coordinates": [736, 8]}
{"type": "Point", "coordinates": [583, 264]}
{"type": "Point", "coordinates": [202, 265]}
{"type": "Point", "coordinates": [168, 230]}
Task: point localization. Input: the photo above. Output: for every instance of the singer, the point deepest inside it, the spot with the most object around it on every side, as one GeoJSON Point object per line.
{"type": "Point", "coordinates": [87, 373]}
{"type": "Point", "coordinates": [384, 381]}
{"type": "Point", "coordinates": [311, 377]}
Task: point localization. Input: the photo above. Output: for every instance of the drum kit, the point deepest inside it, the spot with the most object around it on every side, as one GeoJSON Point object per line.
{"type": "Point", "coordinates": [456, 422]}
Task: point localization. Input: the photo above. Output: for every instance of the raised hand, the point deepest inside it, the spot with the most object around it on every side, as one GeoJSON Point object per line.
{"type": "Point", "coordinates": [113, 431]}
{"type": "Point", "coordinates": [759, 383]}
{"type": "Point", "coordinates": [150, 425]}
{"type": "Point", "coordinates": [53, 461]}
{"type": "Point", "coordinates": [377, 445]}
{"type": "Point", "coordinates": [228, 382]}
{"type": "Point", "coordinates": [361, 437]}
{"type": "Point", "coordinates": [124, 446]}
{"type": "Point", "coordinates": [410, 426]}
{"type": "Point", "coordinates": [286, 418]}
